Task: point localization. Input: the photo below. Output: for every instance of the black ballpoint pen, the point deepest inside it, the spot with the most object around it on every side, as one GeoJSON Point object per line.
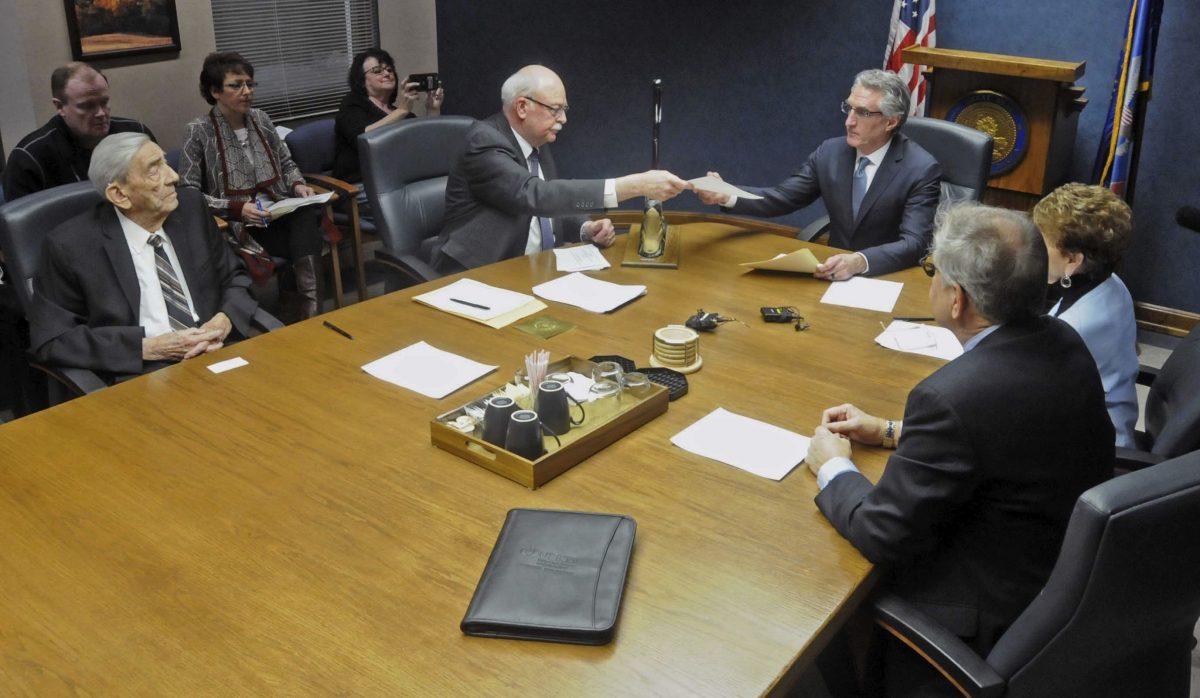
{"type": "Point", "coordinates": [914, 319]}
{"type": "Point", "coordinates": [473, 305]}
{"type": "Point", "coordinates": [337, 329]}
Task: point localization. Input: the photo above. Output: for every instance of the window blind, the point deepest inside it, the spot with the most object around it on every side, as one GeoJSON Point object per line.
{"type": "Point", "coordinates": [300, 49]}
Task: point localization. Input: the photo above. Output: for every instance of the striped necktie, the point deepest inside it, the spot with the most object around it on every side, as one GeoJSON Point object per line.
{"type": "Point", "coordinates": [543, 223]}
{"type": "Point", "coordinates": [178, 312]}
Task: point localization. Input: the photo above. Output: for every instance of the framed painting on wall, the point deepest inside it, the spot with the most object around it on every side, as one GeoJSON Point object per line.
{"type": "Point", "coordinates": [115, 28]}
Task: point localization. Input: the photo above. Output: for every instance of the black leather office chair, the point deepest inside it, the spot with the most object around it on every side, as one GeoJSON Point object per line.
{"type": "Point", "coordinates": [1172, 416]}
{"type": "Point", "coordinates": [964, 153]}
{"type": "Point", "coordinates": [405, 168]}
{"type": "Point", "coordinates": [1117, 614]}
{"type": "Point", "coordinates": [24, 224]}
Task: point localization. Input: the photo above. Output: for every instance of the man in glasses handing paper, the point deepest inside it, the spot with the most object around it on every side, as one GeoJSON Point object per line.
{"type": "Point", "coordinates": [881, 189]}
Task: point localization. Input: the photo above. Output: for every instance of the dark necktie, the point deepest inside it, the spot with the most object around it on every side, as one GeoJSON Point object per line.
{"type": "Point", "coordinates": [859, 189]}
{"type": "Point", "coordinates": [177, 305]}
{"type": "Point", "coordinates": [543, 223]}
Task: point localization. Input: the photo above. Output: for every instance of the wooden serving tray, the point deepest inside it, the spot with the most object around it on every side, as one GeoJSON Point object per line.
{"type": "Point", "coordinates": [577, 444]}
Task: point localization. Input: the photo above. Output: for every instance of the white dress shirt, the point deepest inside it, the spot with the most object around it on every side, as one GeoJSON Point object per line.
{"type": "Point", "coordinates": [152, 310]}
{"type": "Point", "coordinates": [836, 466]}
{"type": "Point", "coordinates": [533, 244]}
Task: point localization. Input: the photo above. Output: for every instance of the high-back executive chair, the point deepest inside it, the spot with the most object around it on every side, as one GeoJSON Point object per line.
{"type": "Point", "coordinates": [964, 154]}
{"type": "Point", "coordinates": [405, 168]}
{"type": "Point", "coordinates": [1172, 415]}
{"type": "Point", "coordinates": [1117, 614]}
{"type": "Point", "coordinates": [24, 224]}
{"type": "Point", "coordinates": [314, 146]}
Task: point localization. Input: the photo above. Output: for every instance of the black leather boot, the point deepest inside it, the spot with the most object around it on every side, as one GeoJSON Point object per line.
{"type": "Point", "coordinates": [309, 286]}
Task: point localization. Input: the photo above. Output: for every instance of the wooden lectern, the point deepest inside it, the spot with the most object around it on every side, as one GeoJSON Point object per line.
{"type": "Point", "coordinates": [1029, 105]}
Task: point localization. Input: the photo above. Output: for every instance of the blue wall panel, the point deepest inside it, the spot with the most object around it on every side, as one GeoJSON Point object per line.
{"type": "Point", "coordinates": [752, 88]}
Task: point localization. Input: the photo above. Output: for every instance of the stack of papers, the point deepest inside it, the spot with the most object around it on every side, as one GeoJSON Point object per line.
{"type": "Point", "coordinates": [494, 307]}
{"type": "Point", "coordinates": [860, 292]}
{"type": "Point", "coordinates": [579, 258]}
{"type": "Point", "coordinates": [753, 446]}
{"type": "Point", "coordinates": [427, 370]}
{"type": "Point", "coordinates": [590, 294]}
{"type": "Point", "coordinates": [281, 208]}
{"type": "Point", "coordinates": [802, 261]}
{"type": "Point", "coordinates": [914, 338]}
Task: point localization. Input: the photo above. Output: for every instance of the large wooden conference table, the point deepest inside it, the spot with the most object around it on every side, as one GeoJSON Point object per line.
{"type": "Point", "coordinates": [287, 527]}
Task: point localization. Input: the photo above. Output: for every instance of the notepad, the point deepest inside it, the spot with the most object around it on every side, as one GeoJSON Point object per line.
{"type": "Point", "coordinates": [591, 294]}
{"type": "Point", "coordinates": [802, 261]}
{"type": "Point", "coordinates": [492, 306]}
{"type": "Point", "coordinates": [860, 292]}
{"type": "Point", "coordinates": [915, 338]}
{"type": "Point", "coordinates": [756, 447]}
{"type": "Point", "coordinates": [427, 370]}
{"type": "Point", "coordinates": [227, 365]}
{"type": "Point", "coordinates": [281, 208]}
{"type": "Point", "coordinates": [579, 258]}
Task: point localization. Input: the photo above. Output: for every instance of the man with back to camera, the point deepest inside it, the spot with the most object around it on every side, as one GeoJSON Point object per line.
{"type": "Point", "coordinates": [503, 197]}
{"type": "Point", "coordinates": [60, 151]}
{"type": "Point", "coordinates": [143, 279]}
{"type": "Point", "coordinates": [994, 449]}
{"type": "Point", "coordinates": [880, 189]}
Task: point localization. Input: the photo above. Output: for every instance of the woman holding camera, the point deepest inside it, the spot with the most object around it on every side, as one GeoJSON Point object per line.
{"type": "Point", "coordinates": [375, 99]}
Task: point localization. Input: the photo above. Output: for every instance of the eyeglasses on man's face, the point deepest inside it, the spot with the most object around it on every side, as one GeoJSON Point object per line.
{"type": "Point", "coordinates": [381, 69]}
{"type": "Point", "coordinates": [241, 85]}
{"type": "Point", "coordinates": [927, 265]}
{"type": "Point", "coordinates": [554, 111]}
{"type": "Point", "coordinates": [860, 112]}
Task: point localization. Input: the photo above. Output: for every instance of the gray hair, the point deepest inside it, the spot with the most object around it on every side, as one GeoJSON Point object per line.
{"type": "Point", "coordinates": [996, 256]}
{"type": "Point", "coordinates": [895, 98]}
{"type": "Point", "coordinates": [519, 84]}
{"type": "Point", "coordinates": [111, 158]}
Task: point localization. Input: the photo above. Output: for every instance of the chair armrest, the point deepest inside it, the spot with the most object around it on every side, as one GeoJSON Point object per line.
{"type": "Point", "coordinates": [340, 186]}
{"type": "Point", "coordinates": [814, 230]}
{"type": "Point", "coordinates": [411, 267]}
{"type": "Point", "coordinates": [965, 669]}
{"type": "Point", "coordinates": [1146, 374]}
{"type": "Point", "coordinates": [79, 381]}
{"type": "Point", "coordinates": [265, 321]}
{"type": "Point", "coordinates": [1133, 459]}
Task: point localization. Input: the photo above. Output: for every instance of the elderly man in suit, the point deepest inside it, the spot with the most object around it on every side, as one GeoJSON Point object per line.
{"type": "Point", "coordinates": [504, 198]}
{"type": "Point", "coordinates": [880, 189]}
{"type": "Point", "coordinates": [143, 279]}
{"type": "Point", "coordinates": [994, 448]}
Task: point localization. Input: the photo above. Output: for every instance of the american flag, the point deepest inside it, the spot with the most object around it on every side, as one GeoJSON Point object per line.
{"type": "Point", "coordinates": [913, 24]}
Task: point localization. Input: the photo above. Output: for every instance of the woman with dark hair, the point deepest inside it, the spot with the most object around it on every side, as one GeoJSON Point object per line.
{"type": "Point", "coordinates": [371, 103]}
{"type": "Point", "coordinates": [235, 157]}
{"type": "Point", "coordinates": [1087, 229]}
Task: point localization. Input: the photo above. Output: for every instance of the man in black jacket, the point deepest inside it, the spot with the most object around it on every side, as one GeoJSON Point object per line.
{"type": "Point", "coordinates": [503, 197]}
{"type": "Point", "coordinates": [994, 448]}
{"type": "Point", "coordinates": [59, 152]}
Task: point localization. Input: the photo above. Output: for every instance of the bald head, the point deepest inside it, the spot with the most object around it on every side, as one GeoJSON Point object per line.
{"type": "Point", "coordinates": [535, 104]}
{"type": "Point", "coordinates": [75, 69]}
{"type": "Point", "coordinates": [81, 98]}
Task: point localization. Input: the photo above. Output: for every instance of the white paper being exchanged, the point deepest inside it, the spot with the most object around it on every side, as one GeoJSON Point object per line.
{"type": "Point", "coordinates": [754, 446]}
{"type": "Point", "coordinates": [591, 294]}
{"type": "Point", "coordinates": [427, 370]}
{"type": "Point", "coordinates": [579, 258]}
{"type": "Point", "coordinates": [915, 338]}
{"type": "Point", "coordinates": [802, 261]}
{"type": "Point", "coordinates": [720, 186]}
{"type": "Point", "coordinates": [462, 297]}
{"type": "Point", "coordinates": [283, 207]}
{"type": "Point", "coordinates": [860, 292]}
{"type": "Point", "coordinates": [227, 365]}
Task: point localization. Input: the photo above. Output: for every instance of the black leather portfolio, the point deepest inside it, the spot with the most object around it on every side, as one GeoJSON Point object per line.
{"type": "Point", "coordinates": [555, 576]}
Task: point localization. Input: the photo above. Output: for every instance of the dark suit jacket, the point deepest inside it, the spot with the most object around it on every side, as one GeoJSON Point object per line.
{"type": "Point", "coordinates": [491, 197]}
{"type": "Point", "coordinates": [971, 510]}
{"type": "Point", "coordinates": [86, 295]}
{"type": "Point", "coordinates": [895, 221]}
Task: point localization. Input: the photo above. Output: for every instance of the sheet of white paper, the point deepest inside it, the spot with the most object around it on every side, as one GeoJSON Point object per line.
{"type": "Point", "coordinates": [227, 365]}
{"type": "Point", "coordinates": [296, 202]}
{"type": "Point", "coordinates": [579, 386]}
{"type": "Point", "coordinates": [427, 370]}
{"type": "Point", "coordinates": [718, 186]}
{"type": "Point", "coordinates": [283, 131]}
{"type": "Point", "coordinates": [579, 258]}
{"type": "Point", "coordinates": [754, 446]}
{"type": "Point", "coordinates": [495, 301]}
{"type": "Point", "coordinates": [585, 292]}
{"type": "Point", "coordinates": [860, 292]}
{"type": "Point", "coordinates": [914, 338]}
